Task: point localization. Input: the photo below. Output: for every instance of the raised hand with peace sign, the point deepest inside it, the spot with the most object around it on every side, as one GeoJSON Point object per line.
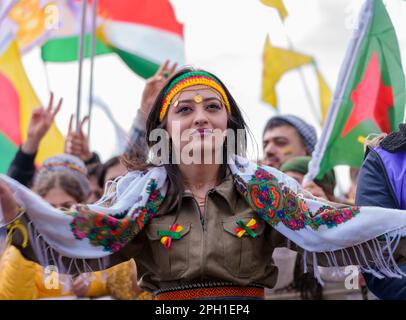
{"type": "Point", "coordinates": [40, 122]}
{"type": "Point", "coordinates": [154, 85]}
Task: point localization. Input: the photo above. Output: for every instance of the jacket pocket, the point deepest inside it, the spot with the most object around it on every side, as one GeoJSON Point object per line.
{"type": "Point", "coordinates": [170, 262]}
{"type": "Point", "coordinates": [242, 255]}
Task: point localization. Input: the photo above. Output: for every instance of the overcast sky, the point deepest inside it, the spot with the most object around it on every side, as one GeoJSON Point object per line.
{"type": "Point", "coordinates": [227, 38]}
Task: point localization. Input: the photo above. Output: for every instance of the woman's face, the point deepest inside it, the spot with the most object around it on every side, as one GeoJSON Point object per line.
{"type": "Point", "coordinates": [58, 198]}
{"type": "Point", "coordinates": [95, 191]}
{"type": "Point", "coordinates": [197, 118]}
{"type": "Point", "coordinates": [114, 172]}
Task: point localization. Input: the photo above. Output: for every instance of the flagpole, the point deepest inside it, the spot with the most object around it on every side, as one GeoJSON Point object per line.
{"type": "Point", "coordinates": [80, 54]}
{"type": "Point", "coordinates": [345, 72]}
{"type": "Point", "coordinates": [92, 54]}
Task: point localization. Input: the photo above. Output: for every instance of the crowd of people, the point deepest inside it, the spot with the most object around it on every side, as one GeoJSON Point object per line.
{"type": "Point", "coordinates": [198, 221]}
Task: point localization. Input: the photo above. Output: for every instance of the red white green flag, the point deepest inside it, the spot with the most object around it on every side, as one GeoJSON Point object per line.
{"type": "Point", "coordinates": [143, 33]}
{"type": "Point", "coordinates": [370, 93]}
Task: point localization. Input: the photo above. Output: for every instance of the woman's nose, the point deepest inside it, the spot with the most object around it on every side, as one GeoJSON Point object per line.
{"type": "Point", "coordinates": [200, 122]}
{"type": "Point", "coordinates": [200, 118]}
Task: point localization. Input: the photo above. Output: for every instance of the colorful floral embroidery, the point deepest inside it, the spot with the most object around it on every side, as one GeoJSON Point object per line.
{"type": "Point", "coordinates": [167, 236]}
{"type": "Point", "coordinates": [113, 232]}
{"type": "Point", "coordinates": [332, 217]}
{"type": "Point", "coordinates": [263, 175]}
{"type": "Point", "coordinates": [277, 203]}
{"type": "Point", "coordinates": [266, 198]}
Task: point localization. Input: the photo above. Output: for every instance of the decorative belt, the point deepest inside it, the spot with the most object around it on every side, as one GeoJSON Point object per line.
{"type": "Point", "coordinates": [211, 291]}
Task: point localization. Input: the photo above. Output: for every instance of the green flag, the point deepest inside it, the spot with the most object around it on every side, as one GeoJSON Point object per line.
{"type": "Point", "coordinates": [143, 33]}
{"type": "Point", "coordinates": [370, 93]}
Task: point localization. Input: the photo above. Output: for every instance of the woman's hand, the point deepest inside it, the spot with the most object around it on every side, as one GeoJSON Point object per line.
{"type": "Point", "coordinates": [80, 285]}
{"type": "Point", "coordinates": [154, 85]}
{"type": "Point", "coordinates": [40, 122]}
{"type": "Point", "coordinates": [8, 204]}
{"type": "Point", "coordinates": [76, 142]}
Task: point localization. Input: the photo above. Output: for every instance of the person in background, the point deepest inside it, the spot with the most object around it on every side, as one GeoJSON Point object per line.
{"type": "Point", "coordinates": [22, 168]}
{"type": "Point", "coordinates": [77, 143]}
{"type": "Point", "coordinates": [62, 181]}
{"type": "Point", "coordinates": [286, 137]}
{"type": "Point", "coordinates": [96, 190]}
{"type": "Point", "coordinates": [111, 170]}
{"type": "Point", "coordinates": [322, 188]}
{"type": "Point", "coordinates": [382, 182]}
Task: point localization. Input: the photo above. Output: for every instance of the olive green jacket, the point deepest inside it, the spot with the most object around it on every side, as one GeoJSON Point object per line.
{"type": "Point", "coordinates": [209, 249]}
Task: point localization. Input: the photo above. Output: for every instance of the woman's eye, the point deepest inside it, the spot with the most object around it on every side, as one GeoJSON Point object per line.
{"type": "Point", "coordinates": [67, 205]}
{"type": "Point", "coordinates": [214, 106]}
{"type": "Point", "coordinates": [183, 109]}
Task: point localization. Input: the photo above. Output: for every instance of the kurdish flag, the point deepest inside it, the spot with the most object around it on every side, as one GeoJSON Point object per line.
{"type": "Point", "coordinates": [17, 100]}
{"type": "Point", "coordinates": [63, 44]}
{"type": "Point", "coordinates": [143, 33]}
{"type": "Point", "coordinates": [370, 93]}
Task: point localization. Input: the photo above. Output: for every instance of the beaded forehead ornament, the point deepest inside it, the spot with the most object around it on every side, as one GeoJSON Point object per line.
{"type": "Point", "coordinates": [191, 79]}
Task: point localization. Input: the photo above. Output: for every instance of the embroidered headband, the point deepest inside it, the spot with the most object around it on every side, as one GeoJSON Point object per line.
{"type": "Point", "coordinates": [189, 79]}
{"type": "Point", "coordinates": [69, 164]}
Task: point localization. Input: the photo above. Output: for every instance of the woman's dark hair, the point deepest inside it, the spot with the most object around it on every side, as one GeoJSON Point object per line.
{"type": "Point", "coordinates": [235, 122]}
{"type": "Point", "coordinates": [104, 168]}
{"type": "Point", "coordinates": [395, 141]}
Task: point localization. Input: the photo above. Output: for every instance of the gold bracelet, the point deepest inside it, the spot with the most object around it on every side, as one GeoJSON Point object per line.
{"type": "Point", "coordinates": [15, 224]}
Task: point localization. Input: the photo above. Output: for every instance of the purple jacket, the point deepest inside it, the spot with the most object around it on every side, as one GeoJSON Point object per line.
{"type": "Point", "coordinates": [395, 167]}
{"type": "Point", "coordinates": [381, 182]}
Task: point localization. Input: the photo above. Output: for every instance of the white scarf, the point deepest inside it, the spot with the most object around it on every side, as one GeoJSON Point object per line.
{"type": "Point", "coordinates": [97, 230]}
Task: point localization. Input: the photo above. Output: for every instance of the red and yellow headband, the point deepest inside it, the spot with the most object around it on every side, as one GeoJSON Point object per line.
{"type": "Point", "coordinates": [189, 79]}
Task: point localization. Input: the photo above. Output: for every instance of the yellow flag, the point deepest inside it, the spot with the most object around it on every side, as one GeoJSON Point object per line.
{"type": "Point", "coordinates": [19, 101]}
{"type": "Point", "coordinates": [278, 5]}
{"type": "Point", "coordinates": [325, 96]}
{"type": "Point", "coordinates": [277, 61]}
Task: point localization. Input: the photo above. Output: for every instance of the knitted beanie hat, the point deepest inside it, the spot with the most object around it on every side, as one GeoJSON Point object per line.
{"type": "Point", "coordinates": [305, 130]}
